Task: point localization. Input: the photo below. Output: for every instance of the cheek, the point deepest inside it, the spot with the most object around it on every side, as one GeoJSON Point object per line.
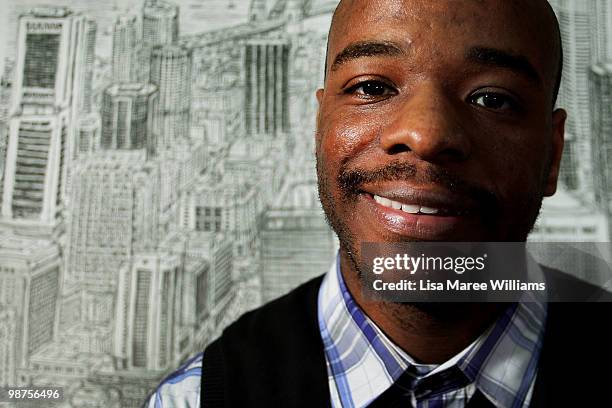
{"type": "Point", "coordinates": [345, 137]}
{"type": "Point", "coordinates": [514, 161]}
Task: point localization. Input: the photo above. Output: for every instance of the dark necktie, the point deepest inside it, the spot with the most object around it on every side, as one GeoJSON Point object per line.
{"type": "Point", "coordinates": [400, 393]}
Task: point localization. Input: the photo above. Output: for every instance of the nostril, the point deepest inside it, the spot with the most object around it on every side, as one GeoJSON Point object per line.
{"type": "Point", "coordinates": [398, 148]}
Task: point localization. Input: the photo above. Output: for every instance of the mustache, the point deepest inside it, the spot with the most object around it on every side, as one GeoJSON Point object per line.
{"type": "Point", "coordinates": [351, 181]}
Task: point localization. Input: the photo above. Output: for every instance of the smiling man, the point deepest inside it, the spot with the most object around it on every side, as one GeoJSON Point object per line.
{"type": "Point", "coordinates": [437, 122]}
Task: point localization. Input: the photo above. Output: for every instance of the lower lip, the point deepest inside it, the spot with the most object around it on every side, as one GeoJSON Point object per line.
{"type": "Point", "coordinates": [421, 226]}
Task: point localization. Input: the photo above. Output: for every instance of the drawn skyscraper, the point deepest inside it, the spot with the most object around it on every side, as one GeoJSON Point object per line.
{"type": "Point", "coordinates": [50, 56]}
{"type": "Point", "coordinates": [128, 117]}
{"type": "Point", "coordinates": [296, 242]}
{"type": "Point", "coordinates": [576, 30]}
{"type": "Point", "coordinates": [148, 312]}
{"type": "Point", "coordinates": [601, 100]}
{"type": "Point", "coordinates": [86, 56]}
{"type": "Point", "coordinates": [267, 86]}
{"type": "Point", "coordinates": [159, 23]}
{"type": "Point", "coordinates": [159, 28]}
{"type": "Point", "coordinates": [601, 92]}
{"type": "Point", "coordinates": [88, 134]}
{"type": "Point", "coordinates": [46, 51]}
{"type": "Point", "coordinates": [171, 72]}
{"type": "Point", "coordinates": [115, 196]}
{"type": "Point", "coordinates": [8, 328]}
{"type": "Point", "coordinates": [29, 283]}
{"type": "Point", "coordinates": [32, 183]}
{"type": "Point", "coordinates": [125, 39]}
{"type": "Point", "coordinates": [227, 206]}
{"type": "Point", "coordinates": [601, 35]}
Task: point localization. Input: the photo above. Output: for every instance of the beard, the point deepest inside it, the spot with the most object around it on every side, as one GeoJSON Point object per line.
{"type": "Point", "coordinates": [349, 181]}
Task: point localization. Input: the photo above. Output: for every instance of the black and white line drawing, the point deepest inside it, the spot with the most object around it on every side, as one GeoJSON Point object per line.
{"type": "Point", "coordinates": [157, 176]}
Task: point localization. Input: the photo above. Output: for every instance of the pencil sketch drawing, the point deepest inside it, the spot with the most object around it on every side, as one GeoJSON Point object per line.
{"type": "Point", "coordinates": [157, 176]}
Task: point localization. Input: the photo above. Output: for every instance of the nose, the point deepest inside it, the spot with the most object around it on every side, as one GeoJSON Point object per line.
{"type": "Point", "coordinates": [428, 125]}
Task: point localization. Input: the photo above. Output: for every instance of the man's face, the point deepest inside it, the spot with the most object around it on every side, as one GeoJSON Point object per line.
{"type": "Point", "coordinates": [436, 122]}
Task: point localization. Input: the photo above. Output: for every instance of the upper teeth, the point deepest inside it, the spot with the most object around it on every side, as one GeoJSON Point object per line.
{"type": "Point", "coordinates": [409, 208]}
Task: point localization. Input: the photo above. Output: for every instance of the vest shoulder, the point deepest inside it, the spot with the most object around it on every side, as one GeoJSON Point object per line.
{"type": "Point", "coordinates": [294, 310]}
{"type": "Point", "coordinates": [273, 355]}
{"type": "Point", "coordinates": [563, 287]}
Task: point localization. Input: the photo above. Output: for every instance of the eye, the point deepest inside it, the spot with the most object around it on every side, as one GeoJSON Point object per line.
{"type": "Point", "coordinates": [371, 89]}
{"type": "Point", "coordinates": [493, 101]}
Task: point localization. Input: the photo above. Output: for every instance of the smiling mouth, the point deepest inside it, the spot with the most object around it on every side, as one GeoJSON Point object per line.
{"type": "Point", "coordinates": [420, 214]}
{"type": "Point", "coordinates": [416, 208]}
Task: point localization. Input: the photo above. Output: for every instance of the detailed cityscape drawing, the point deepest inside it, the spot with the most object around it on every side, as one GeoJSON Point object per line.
{"type": "Point", "coordinates": [157, 177]}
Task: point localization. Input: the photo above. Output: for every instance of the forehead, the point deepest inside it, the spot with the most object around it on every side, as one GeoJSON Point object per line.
{"type": "Point", "coordinates": [520, 26]}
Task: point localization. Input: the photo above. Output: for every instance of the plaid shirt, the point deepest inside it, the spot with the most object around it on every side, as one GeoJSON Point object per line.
{"type": "Point", "coordinates": [180, 389]}
{"type": "Point", "coordinates": [362, 362]}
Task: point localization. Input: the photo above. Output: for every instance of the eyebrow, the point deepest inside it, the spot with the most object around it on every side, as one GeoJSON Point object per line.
{"type": "Point", "coordinates": [366, 49]}
{"type": "Point", "coordinates": [502, 59]}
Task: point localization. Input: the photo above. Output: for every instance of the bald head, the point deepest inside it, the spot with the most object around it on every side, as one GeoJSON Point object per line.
{"type": "Point", "coordinates": [529, 16]}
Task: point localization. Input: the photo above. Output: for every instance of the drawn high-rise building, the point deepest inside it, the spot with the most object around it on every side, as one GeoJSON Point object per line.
{"type": "Point", "coordinates": [601, 92]}
{"type": "Point", "coordinates": [128, 117]}
{"type": "Point", "coordinates": [576, 32]}
{"type": "Point", "coordinates": [8, 328]}
{"type": "Point", "coordinates": [159, 23]}
{"type": "Point", "coordinates": [88, 134]}
{"type": "Point", "coordinates": [171, 72]}
{"type": "Point", "coordinates": [29, 284]}
{"type": "Point", "coordinates": [221, 278]}
{"type": "Point", "coordinates": [159, 28]}
{"type": "Point", "coordinates": [33, 182]}
{"type": "Point", "coordinates": [53, 55]}
{"type": "Point", "coordinates": [86, 62]}
{"type": "Point", "coordinates": [296, 245]}
{"type": "Point", "coordinates": [601, 35]}
{"type": "Point", "coordinates": [148, 312]}
{"type": "Point", "coordinates": [194, 288]}
{"type": "Point", "coordinates": [142, 69]}
{"type": "Point", "coordinates": [125, 41]}
{"type": "Point", "coordinates": [267, 86]}
{"type": "Point", "coordinates": [115, 198]}
{"type": "Point", "coordinates": [225, 206]}
{"type": "Point", "coordinates": [601, 99]}
{"type": "Point", "coordinates": [4, 130]}
{"type": "Point", "coordinates": [3, 143]}
{"type": "Point", "coordinates": [49, 43]}
{"type": "Point", "coordinates": [296, 242]}
{"type": "Point", "coordinates": [180, 168]}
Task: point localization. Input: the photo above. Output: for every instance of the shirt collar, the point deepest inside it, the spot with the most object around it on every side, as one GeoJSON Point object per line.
{"type": "Point", "coordinates": [363, 362]}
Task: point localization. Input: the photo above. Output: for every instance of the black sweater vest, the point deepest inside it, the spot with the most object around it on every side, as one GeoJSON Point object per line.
{"type": "Point", "coordinates": [273, 356]}
{"type": "Point", "coordinates": [270, 357]}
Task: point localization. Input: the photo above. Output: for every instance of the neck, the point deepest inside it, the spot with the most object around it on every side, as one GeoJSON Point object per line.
{"type": "Point", "coordinates": [430, 333]}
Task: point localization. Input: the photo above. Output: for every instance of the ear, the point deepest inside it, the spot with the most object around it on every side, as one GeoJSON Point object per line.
{"type": "Point", "coordinates": [319, 95]}
{"type": "Point", "coordinates": [558, 141]}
